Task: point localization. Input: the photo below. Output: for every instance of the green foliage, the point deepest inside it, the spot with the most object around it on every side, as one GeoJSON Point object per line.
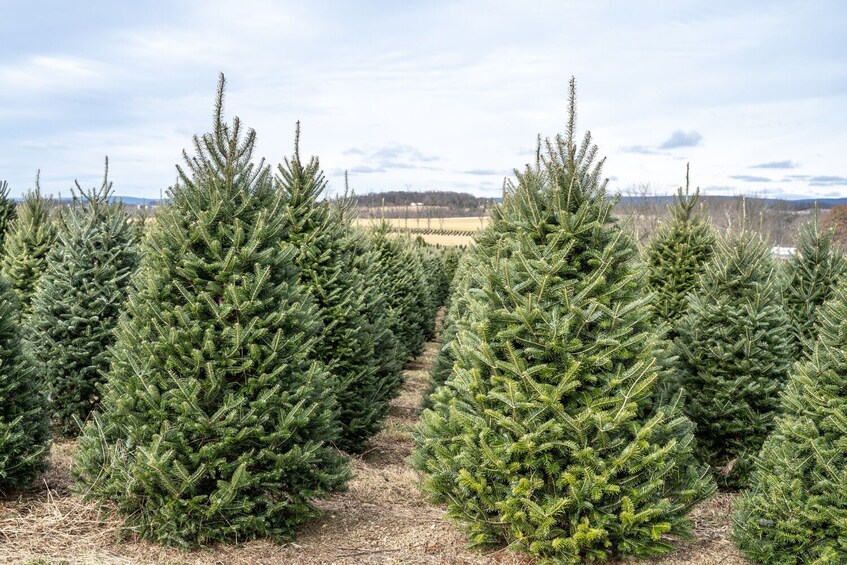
{"type": "Point", "coordinates": [349, 337]}
{"type": "Point", "coordinates": [733, 355]}
{"type": "Point", "coordinates": [794, 511]}
{"type": "Point", "coordinates": [216, 421]}
{"type": "Point", "coordinates": [8, 211]}
{"type": "Point", "coordinates": [432, 261]}
{"type": "Point", "coordinates": [812, 274]}
{"type": "Point", "coordinates": [78, 301]}
{"type": "Point", "coordinates": [450, 258]}
{"type": "Point", "coordinates": [442, 365]}
{"type": "Point", "coordinates": [537, 439]}
{"type": "Point", "coordinates": [677, 255]}
{"type": "Point", "coordinates": [25, 248]}
{"type": "Point", "coordinates": [404, 283]}
{"type": "Point", "coordinates": [389, 354]}
{"type": "Point", "coordinates": [24, 416]}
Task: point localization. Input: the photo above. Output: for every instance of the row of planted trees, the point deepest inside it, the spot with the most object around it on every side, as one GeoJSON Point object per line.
{"type": "Point", "coordinates": [589, 395]}
{"type": "Point", "coordinates": [218, 367]}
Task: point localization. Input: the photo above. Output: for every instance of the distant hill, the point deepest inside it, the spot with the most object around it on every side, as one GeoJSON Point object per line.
{"type": "Point", "coordinates": [778, 203]}
{"type": "Point", "coordinates": [425, 198]}
{"type": "Point", "coordinates": [423, 204]}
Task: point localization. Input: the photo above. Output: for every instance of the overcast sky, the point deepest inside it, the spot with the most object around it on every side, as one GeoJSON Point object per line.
{"type": "Point", "coordinates": [431, 95]}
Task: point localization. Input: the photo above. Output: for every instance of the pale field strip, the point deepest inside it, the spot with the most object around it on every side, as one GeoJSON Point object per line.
{"type": "Point", "coordinates": [470, 224]}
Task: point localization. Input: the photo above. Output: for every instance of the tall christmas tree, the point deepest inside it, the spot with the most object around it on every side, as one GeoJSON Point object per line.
{"type": "Point", "coordinates": [30, 237]}
{"type": "Point", "coordinates": [733, 355]}
{"type": "Point", "coordinates": [24, 417]}
{"type": "Point", "coordinates": [216, 421]}
{"type": "Point", "coordinates": [677, 254]}
{"type": "Point", "coordinates": [795, 510]}
{"type": "Point", "coordinates": [812, 274]}
{"type": "Point", "coordinates": [8, 211]}
{"type": "Point", "coordinates": [505, 222]}
{"type": "Point", "coordinates": [348, 337]}
{"type": "Point", "coordinates": [537, 437]}
{"type": "Point", "coordinates": [78, 301]}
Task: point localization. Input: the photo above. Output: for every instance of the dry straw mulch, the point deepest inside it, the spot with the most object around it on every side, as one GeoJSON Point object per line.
{"type": "Point", "coordinates": [382, 518]}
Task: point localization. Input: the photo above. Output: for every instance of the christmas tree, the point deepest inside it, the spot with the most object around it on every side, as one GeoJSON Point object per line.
{"type": "Point", "coordinates": [794, 511]}
{"type": "Point", "coordinates": [677, 254]}
{"type": "Point", "coordinates": [733, 355]}
{"type": "Point", "coordinates": [537, 438]}
{"type": "Point", "coordinates": [24, 417]}
{"type": "Point", "coordinates": [389, 354]}
{"type": "Point", "coordinates": [812, 274]}
{"type": "Point", "coordinates": [442, 365]}
{"type": "Point", "coordinates": [216, 421]}
{"type": "Point", "coordinates": [407, 290]}
{"type": "Point", "coordinates": [78, 301]}
{"type": "Point", "coordinates": [25, 247]}
{"type": "Point", "coordinates": [348, 337]}
{"type": "Point", "coordinates": [432, 261]}
{"type": "Point", "coordinates": [505, 221]}
{"type": "Point", "coordinates": [8, 211]}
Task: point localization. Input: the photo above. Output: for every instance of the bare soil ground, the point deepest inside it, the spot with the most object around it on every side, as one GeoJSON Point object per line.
{"type": "Point", "coordinates": [382, 518]}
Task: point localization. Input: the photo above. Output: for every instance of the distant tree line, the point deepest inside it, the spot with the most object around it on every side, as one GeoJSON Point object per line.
{"type": "Point", "coordinates": [777, 221]}
{"type": "Point", "coordinates": [430, 203]}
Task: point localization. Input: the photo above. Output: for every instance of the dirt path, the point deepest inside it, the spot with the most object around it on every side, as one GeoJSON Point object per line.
{"type": "Point", "coordinates": [382, 518]}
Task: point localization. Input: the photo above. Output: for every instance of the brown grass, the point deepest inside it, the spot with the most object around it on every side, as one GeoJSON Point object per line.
{"type": "Point", "coordinates": [382, 518]}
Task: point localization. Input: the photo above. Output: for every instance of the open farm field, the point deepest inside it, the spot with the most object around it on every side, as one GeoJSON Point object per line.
{"type": "Point", "coordinates": [436, 231]}
{"type": "Point", "coordinates": [472, 223]}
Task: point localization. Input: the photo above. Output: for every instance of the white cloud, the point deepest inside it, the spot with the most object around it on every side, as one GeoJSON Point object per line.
{"type": "Point", "coordinates": [470, 83]}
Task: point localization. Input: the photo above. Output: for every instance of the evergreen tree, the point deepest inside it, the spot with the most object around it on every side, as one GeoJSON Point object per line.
{"type": "Point", "coordinates": [812, 274]}
{"type": "Point", "coordinates": [8, 211]}
{"type": "Point", "coordinates": [795, 510]}
{"type": "Point", "coordinates": [78, 301]}
{"type": "Point", "coordinates": [442, 365]}
{"type": "Point", "coordinates": [504, 223]}
{"type": "Point", "coordinates": [435, 282]}
{"type": "Point", "coordinates": [389, 354]}
{"type": "Point", "coordinates": [406, 288]}
{"type": "Point", "coordinates": [733, 355]}
{"type": "Point", "coordinates": [25, 247]}
{"type": "Point", "coordinates": [537, 437]}
{"type": "Point", "coordinates": [216, 421]}
{"type": "Point", "coordinates": [327, 269]}
{"type": "Point", "coordinates": [24, 417]}
{"type": "Point", "coordinates": [677, 255]}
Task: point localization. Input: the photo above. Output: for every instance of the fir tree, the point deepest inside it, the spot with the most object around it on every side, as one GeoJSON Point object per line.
{"type": "Point", "coordinates": [389, 354]}
{"type": "Point", "coordinates": [30, 237]}
{"type": "Point", "coordinates": [406, 288]}
{"type": "Point", "coordinates": [24, 417]}
{"type": "Point", "coordinates": [504, 223]}
{"type": "Point", "coordinates": [8, 211]}
{"type": "Point", "coordinates": [432, 261]}
{"type": "Point", "coordinates": [537, 438]}
{"type": "Point", "coordinates": [677, 255]}
{"type": "Point", "coordinates": [327, 269]}
{"type": "Point", "coordinates": [795, 510]}
{"type": "Point", "coordinates": [442, 365]}
{"type": "Point", "coordinates": [216, 421]}
{"type": "Point", "coordinates": [78, 300]}
{"type": "Point", "coordinates": [733, 355]}
{"type": "Point", "coordinates": [812, 274]}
